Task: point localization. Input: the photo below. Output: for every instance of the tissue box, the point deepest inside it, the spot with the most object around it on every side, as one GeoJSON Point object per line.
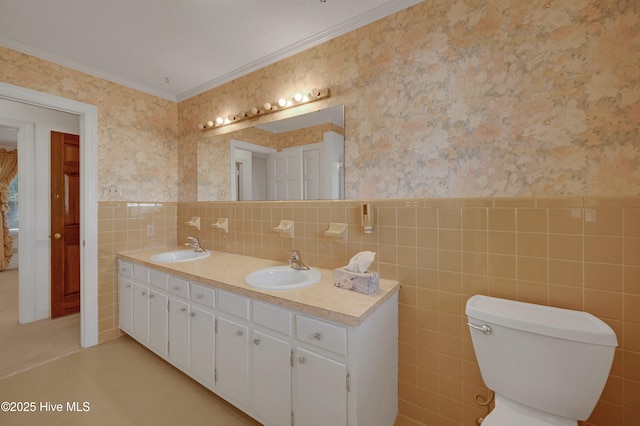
{"type": "Point", "coordinates": [367, 282]}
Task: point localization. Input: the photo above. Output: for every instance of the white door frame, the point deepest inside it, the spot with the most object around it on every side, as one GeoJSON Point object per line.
{"type": "Point", "coordinates": [88, 115]}
{"type": "Point", "coordinates": [246, 146]}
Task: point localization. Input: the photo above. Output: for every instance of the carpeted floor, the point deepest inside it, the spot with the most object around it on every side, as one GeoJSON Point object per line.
{"type": "Point", "coordinates": [23, 346]}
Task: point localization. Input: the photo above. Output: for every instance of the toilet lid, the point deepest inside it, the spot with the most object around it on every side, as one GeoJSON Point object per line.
{"type": "Point", "coordinates": [545, 320]}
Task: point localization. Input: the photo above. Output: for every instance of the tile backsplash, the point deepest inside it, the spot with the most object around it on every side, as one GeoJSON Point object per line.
{"type": "Point", "coordinates": [577, 253]}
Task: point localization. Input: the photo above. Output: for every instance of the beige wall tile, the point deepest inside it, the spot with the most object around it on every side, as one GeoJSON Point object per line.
{"type": "Point", "coordinates": [565, 247]}
{"type": "Point", "coordinates": [603, 276]}
{"type": "Point", "coordinates": [603, 221]}
{"type": "Point", "coordinates": [565, 273]}
{"type": "Point", "coordinates": [532, 220]}
{"type": "Point", "coordinates": [607, 249]}
{"type": "Point", "coordinates": [502, 219]}
{"type": "Point", "coordinates": [565, 221]}
{"type": "Point", "coordinates": [440, 267]}
{"type": "Point", "coordinates": [532, 244]}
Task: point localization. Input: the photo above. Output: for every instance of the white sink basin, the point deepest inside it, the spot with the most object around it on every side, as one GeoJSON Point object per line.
{"type": "Point", "coordinates": [179, 256]}
{"type": "Point", "coordinates": [282, 278]}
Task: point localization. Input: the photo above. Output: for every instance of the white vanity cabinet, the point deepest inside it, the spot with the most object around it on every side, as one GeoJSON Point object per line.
{"type": "Point", "coordinates": [158, 311]}
{"type": "Point", "coordinates": [158, 326]}
{"type": "Point", "coordinates": [271, 364]}
{"type": "Point", "coordinates": [232, 361]}
{"type": "Point", "coordinates": [141, 312]}
{"type": "Point", "coordinates": [125, 297]}
{"type": "Point", "coordinates": [202, 334]}
{"type": "Point", "coordinates": [178, 324]}
{"type": "Point", "coordinates": [280, 365]}
{"type": "Point", "coordinates": [232, 347]}
{"type": "Point", "coordinates": [322, 379]}
{"type": "Point", "coordinates": [320, 390]}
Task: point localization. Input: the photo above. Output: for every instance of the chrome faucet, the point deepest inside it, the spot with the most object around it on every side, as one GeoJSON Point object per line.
{"type": "Point", "coordinates": [296, 261]}
{"type": "Point", "coordinates": [195, 243]}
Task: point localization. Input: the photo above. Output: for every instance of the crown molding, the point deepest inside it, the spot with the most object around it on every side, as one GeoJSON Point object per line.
{"type": "Point", "coordinates": [315, 40]}
{"type": "Point", "coordinates": [59, 60]}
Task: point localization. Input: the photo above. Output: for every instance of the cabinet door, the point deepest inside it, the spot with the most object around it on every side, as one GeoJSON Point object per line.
{"type": "Point", "coordinates": [271, 374]}
{"type": "Point", "coordinates": [320, 390]}
{"type": "Point", "coordinates": [202, 345]}
{"type": "Point", "coordinates": [179, 333]}
{"type": "Point", "coordinates": [141, 313]}
{"type": "Point", "coordinates": [232, 360]}
{"type": "Point", "coordinates": [125, 304]}
{"type": "Point", "coordinates": [158, 322]}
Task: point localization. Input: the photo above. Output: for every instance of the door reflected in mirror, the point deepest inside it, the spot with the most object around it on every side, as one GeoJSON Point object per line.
{"type": "Point", "coordinates": [297, 158]}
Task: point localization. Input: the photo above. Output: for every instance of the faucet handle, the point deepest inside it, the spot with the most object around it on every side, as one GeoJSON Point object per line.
{"type": "Point", "coordinates": [295, 254]}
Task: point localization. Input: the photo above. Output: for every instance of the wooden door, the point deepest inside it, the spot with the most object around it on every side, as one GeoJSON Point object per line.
{"type": "Point", "coordinates": [65, 224]}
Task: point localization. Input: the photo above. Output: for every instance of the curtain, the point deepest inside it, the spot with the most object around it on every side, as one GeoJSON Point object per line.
{"type": "Point", "coordinates": [8, 171]}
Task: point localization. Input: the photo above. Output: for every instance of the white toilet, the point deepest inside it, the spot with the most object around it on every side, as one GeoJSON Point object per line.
{"type": "Point", "coordinates": [547, 366]}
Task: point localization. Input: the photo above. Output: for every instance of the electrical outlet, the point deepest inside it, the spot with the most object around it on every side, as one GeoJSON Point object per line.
{"type": "Point", "coordinates": [149, 230]}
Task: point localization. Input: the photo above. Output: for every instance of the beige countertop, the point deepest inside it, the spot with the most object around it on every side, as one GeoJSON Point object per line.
{"type": "Point", "coordinates": [226, 271]}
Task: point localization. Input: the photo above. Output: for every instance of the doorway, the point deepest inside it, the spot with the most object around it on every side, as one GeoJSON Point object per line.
{"type": "Point", "coordinates": [87, 115]}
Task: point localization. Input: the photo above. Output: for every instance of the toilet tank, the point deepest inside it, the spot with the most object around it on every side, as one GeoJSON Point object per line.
{"type": "Point", "coordinates": [554, 360]}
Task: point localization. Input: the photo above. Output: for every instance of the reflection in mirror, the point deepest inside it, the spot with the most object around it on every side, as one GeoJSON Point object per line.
{"type": "Point", "coordinates": [297, 158]}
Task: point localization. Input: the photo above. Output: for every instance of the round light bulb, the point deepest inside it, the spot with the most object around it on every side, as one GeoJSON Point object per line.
{"type": "Point", "coordinates": [282, 102]}
{"type": "Point", "coordinates": [220, 120]}
{"type": "Point", "coordinates": [268, 106]}
{"type": "Point", "coordinates": [210, 123]}
{"type": "Point", "coordinates": [298, 97]}
{"type": "Point", "coordinates": [254, 110]}
{"type": "Point", "coordinates": [201, 126]}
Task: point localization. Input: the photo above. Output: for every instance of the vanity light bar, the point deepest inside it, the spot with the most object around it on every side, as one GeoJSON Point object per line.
{"type": "Point", "coordinates": [267, 108]}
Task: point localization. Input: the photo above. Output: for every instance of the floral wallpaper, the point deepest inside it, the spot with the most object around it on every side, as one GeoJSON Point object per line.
{"type": "Point", "coordinates": [137, 133]}
{"type": "Point", "coordinates": [471, 98]}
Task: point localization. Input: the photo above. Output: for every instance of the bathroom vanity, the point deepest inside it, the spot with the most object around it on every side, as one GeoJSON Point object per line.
{"type": "Point", "coordinates": [318, 355]}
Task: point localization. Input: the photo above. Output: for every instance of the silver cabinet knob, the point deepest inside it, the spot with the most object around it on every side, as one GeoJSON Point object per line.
{"type": "Point", "coordinates": [239, 333]}
{"type": "Point", "coordinates": [176, 288]}
{"type": "Point", "coordinates": [200, 296]}
{"type": "Point", "coordinates": [193, 314]}
{"type": "Point", "coordinates": [183, 309]}
{"type": "Point", "coordinates": [317, 336]}
{"type": "Point", "coordinates": [301, 360]}
{"type": "Point", "coordinates": [144, 293]}
{"type": "Point", "coordinates": [256, 341]}
{"type": "Point", "coordinates": [151, 296]}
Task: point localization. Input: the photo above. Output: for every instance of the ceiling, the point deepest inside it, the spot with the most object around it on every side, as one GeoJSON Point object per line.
{"type": "Point", "coordinates": [176, 49]}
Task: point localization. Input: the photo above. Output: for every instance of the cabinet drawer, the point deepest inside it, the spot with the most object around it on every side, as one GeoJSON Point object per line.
{"type": "Point", "coordinates": [125, 269]}
{"type": "Point", "coordinates": [273, 317]}
{"type": "Point", "coordinates": [158, 279]}
{"type": "Point", "coordinates": [179, 287]}
{"type": "Point", "coordinates": [233, 304]}
{"type": "Point", "coordinates": [141, 273]}
{"type": "Point", "coordinates": [321, 334]}
{"type": "Point", "coordinates": [203, 295]}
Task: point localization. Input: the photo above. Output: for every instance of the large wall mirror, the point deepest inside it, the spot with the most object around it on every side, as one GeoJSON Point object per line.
{"type": "Point", "coordinates": [296, 158]}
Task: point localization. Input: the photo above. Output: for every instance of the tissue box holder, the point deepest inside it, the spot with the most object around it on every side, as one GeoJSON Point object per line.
{"type": "Point", "coordinates": [362, 282]}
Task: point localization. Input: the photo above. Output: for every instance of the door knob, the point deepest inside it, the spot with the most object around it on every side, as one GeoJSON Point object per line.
{"type": "Point", "coordinates": [57, 235]}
